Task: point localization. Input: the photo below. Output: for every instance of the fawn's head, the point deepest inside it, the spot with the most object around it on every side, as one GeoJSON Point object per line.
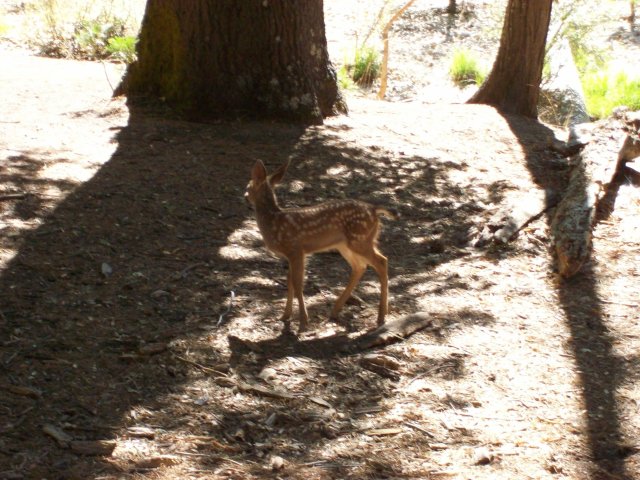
{"type": "Point", "coordinates": [260, 187]}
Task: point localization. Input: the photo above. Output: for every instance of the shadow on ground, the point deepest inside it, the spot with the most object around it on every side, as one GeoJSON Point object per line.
{"type": "Point", "coordinates": [101, 302]}
{"type": "Point", "coordinates": [600, 371]}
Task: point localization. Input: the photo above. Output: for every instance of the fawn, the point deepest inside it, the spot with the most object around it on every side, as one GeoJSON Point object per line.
{"type": "Point", "coordinates": [349, 226]}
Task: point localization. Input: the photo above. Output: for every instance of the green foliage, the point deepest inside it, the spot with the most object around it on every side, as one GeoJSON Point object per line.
{"type": "Point", "coordinates": [363, 70]}
{"type": "Point", "coordinates": [465, 69]}
{"type": "Point", "coordinates": [366, 66]}
{"type": "Point", "coordinates": [606, 90]}
{"type": "Point", "coordinates": [122, 48]}
{"type": "Point", "coordinates": [84, 30]}
{"type": "Point", "coordinates": [604, 87]}
{"type": "Point", "coordinates": [344, 79]}
{"type": "Point", "coordinates": [92, 37]}
{"type": "Point", "coordinates": [574, 21]}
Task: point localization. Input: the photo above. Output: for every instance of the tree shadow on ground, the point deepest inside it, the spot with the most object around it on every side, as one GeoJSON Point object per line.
{"type": "Point", "coordinates": [600, 371]}
{"type": "Point", "coordinates": [104, 301]}
{"type": "Point", "coordinates": [121, 263]}
{"type": "Point", "coordinates": [19, 175]}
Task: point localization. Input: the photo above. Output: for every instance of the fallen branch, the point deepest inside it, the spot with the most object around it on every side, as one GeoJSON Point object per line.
{"type": "Point", "coordinates": [253, 388]}
{"type": "Point", "coordinates": [201, 367]}
{"type": "Point", "coordinates": [398, 329]}
{"type": "Point", "coordinates": [20, 390]}
{"type": "Point", "coordinates": [417, 427]}
{"type": "Point", "coordinates": [13, 196]}
{"type": "Point", "coordinates": [260, 390]}
{"type": "Point", "coordinates": [505, 225]}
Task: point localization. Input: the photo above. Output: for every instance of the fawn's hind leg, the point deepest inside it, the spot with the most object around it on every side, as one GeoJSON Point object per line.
{"type": "Point", "coordinates": [358, 267]}
{"type": "Point", "coordinates": [370, 253]}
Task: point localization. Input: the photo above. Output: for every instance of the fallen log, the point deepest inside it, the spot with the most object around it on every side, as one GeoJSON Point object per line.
{"type": "Point", "coordinates": [612, 142]}
{"type": "Point", "coordinates": [631, 146]}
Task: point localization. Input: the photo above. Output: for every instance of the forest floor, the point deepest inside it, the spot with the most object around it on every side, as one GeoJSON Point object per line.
{"type": "Point", "coordinates": [123, 236]}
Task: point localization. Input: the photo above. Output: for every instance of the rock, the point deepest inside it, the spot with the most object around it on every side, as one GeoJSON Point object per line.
{"type": "Point", "coordinates": [483, 456]}
{"type": "Point", "coordinates": [277, 463]}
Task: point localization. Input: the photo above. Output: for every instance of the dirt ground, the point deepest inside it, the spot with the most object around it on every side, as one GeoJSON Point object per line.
{"type": "Point", "coordinates": [123, 236]}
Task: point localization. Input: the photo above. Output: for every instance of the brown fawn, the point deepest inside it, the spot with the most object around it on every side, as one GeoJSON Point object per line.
{"type": "Point", "coordinates": [348, 226]}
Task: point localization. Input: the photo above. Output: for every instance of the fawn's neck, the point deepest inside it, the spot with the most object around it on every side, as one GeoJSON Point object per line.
{"type": "Point", "coordinates": [266, 209]}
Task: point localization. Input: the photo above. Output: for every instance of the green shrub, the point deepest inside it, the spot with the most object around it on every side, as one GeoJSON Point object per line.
{"type": "Point", "coordinates": [464, 68]}
{"type": "Point", "coordinates": [91, 37]}
{"type": "Point", "coordinates": [366, 66]}
{"type": "Point", "coordinates": [344, 78]}
{"type": "Point", "coordinates": [99, 30]}
{"type": "Point", "coordinates": [122, 48]}
{"type": "Point", "coordinates": [606, 90]}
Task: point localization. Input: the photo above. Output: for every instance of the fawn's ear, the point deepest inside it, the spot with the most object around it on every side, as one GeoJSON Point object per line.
{"type": "Point", "coordinates": [259, 173]}
{"type": "Point", "coordinates": [276, 177]}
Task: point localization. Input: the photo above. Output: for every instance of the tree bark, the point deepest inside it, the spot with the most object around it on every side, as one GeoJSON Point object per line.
{"type": "Point", "coordinates": [513, 86]}
{"type": "Point", "coordinates": [229, 58]}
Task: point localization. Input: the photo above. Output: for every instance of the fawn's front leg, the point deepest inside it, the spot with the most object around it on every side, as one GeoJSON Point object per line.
{"type": "Point", "coordinates": [296, 278]}
{"type": "Point", "coordinates": [289, 306]}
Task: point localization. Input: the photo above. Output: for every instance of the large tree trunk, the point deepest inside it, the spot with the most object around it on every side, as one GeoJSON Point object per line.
{"type": "Point", "coordinates": [227, 58]}
{"type": "Point", "coordinates": [513, 85]}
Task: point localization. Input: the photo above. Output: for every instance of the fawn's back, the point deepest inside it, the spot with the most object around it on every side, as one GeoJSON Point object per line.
{"type": "Point", "coordinates": [326, 226]}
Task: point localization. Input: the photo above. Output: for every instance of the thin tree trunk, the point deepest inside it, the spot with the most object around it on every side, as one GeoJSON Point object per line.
{"type": "Point", "coordinates": [513, 85]}
{"type": "Point", "coordinates": [385, 53]}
